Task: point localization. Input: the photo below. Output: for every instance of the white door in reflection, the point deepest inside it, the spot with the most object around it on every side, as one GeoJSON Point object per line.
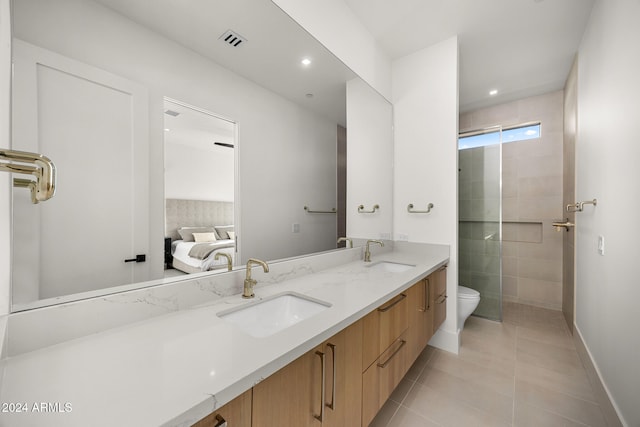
{"type": "Point", "coordinates": [94, 126]}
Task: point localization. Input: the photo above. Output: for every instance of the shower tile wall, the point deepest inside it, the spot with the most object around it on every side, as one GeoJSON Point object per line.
{"type": "Point", "coordinates": [532, 186]}
{"type": "Point", "coordinates": [479, 221]}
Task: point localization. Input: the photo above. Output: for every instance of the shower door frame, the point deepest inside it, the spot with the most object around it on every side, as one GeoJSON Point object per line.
{"type": "Point", "coordinates": [491, 129]}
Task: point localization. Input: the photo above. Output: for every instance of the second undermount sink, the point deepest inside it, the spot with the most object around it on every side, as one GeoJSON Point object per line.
{"type": "Point", "coordinates": [389, 267]}
{"type": "Point", "coordinates": [273, 314]}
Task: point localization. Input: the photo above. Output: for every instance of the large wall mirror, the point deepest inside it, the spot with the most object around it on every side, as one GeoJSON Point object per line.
{"type": "Point", "coordinates": [96, 85]}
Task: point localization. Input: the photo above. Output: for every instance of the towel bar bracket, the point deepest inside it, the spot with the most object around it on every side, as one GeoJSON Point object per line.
{"type": "Point", "coordinates": [42, 168]}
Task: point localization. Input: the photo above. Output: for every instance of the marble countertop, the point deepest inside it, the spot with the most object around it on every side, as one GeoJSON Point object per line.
{"type": "Point", "coordinates": [174, 369]}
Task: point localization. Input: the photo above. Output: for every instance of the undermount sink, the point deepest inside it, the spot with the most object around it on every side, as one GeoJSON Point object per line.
{"type": "Point", "coordinates": [273, 314]}
{"type": "Point", "coordinates": [389, 267]}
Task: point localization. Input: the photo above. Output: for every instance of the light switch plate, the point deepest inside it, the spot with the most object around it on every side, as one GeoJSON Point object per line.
{"type": "Point", "coordinates": [601, 245]}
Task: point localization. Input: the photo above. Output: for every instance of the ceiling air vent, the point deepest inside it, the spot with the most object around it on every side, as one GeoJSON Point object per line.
{"type": "Point", "coordinates": [172, 113]}
{"type": "Point", "coordinates": [232, 38]}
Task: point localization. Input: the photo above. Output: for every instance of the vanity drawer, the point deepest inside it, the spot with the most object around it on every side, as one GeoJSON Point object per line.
{"type": "Point", "coordinates": [382, 377]}
{"type": "Point", "coordinates": [383, 326]}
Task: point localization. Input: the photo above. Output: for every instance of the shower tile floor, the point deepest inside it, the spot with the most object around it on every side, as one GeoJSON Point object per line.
{"type": "Point", "coordinates": [524, 371]}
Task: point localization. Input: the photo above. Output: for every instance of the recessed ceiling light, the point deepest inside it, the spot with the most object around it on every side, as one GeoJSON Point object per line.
{"type": "Point", "coordinates": [306, 62]}
{"type": "Point", "coordinates": [167, 130]}
{"type": "Point", "coordinates": [309, 95]}
{"type": "Point", "coordinates": [493, 92]}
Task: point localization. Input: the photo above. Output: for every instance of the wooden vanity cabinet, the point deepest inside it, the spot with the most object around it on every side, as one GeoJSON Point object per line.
{"type": "Point", "coordinates": [236, 413]}
{"type": "Point", "coordinates": [383, 326]}
{"type": "Point", "coordinates": [346, 371]}
{"type": "Point", "coordinates": [386, 353]}
{"type": "Point", "coordinates": [289, 396]}
{"type": "Point", "coordinates": [439, 297]}
{"type": "Point", "coordinates": [420, 315]}
{"type": "Point", "coordinates": [382, 377]}
{"type": "Point", "coordinates": [293, 395]}
{"type": "Point", "coordinates": [358, 368]}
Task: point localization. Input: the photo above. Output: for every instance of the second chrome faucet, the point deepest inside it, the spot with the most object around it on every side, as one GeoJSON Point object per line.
{"type": "Point", "coordinates": [367, 252]}
{"type": "Point", "coordinates": [249, 283]}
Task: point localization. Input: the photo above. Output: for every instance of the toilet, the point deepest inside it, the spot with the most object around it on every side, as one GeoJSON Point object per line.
{"type": "Point", "coordinates": [468, 300]}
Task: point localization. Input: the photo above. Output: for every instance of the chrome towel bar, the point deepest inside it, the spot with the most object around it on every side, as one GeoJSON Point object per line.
{"type": "Point", "coordinates": [579, 206]}
{"type": "Point", "coordinates": [44, 187]}
{"type": "Point", "coordinates": [332, 211]}
{"type": "Point", "coordinates": [361, 209]}
{"type": "Point", "coordinates": [411, 210]}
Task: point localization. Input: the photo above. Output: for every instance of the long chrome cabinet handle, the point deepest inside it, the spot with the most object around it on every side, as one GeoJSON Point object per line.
{"type": "Point", "coordinates": [384, 364]}
{"type": "Point", "coordinates": [322, 389]}
{"type": "Point", "coordinates": [390, 306]}
{"type": "Point", "coordinates": [332, 405]}
{"type": "Point", "coordinates": [428, 294]}
{"type": "Point", "coordinates": [221, 422]}
{"type": "Point", "coordinates": [425, 306]}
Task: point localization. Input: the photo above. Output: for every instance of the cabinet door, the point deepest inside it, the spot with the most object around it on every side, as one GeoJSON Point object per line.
{"type": "Point", "coordinates": [440, 299]}
{"type": "Point", "coordinates": [291, 396]}
{"type": "Point", "coordinates": [236, 413]}
{"type": "Point", "coordinates": [381, 378]}
{"type": "Point", "coordinates": [343, 378]}
{"type": "Point", "coordinates": [420, 316]}
{"type": "Point", "coordinates": [383, 326]}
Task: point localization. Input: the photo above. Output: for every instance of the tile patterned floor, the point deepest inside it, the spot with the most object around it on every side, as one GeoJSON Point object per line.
{"type": "Point", "coordinates": [522, 372]}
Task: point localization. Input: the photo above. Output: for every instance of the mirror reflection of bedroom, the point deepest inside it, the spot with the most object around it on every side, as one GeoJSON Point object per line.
{"type": "Point", "coordinates": [199, 190]}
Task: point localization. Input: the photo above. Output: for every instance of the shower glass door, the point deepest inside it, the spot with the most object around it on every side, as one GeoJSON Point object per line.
{"type": "Point", "coordinates": [480, 217]}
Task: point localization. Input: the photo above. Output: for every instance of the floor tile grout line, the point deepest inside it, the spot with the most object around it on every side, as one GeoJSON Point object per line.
{"type": "Point", "coordinates": [573, 396]}
{"type": "Point", "coordinates": [416, 413]}
{"type": "Point", "coordinates": [556, 413]}
{"type": "Point", "coordinates": [400, 404]}
{"type": "Point", "coordinates": [515, 372]}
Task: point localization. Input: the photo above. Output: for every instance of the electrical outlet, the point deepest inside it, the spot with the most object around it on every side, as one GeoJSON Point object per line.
{"type": "Point", "coordinates": [403, 237]}
{"type": "Point", "coordinates": [385, 236]}
{"type": "Point", "coordinates": [601, 245]}
{"type": "Point", "coordinates": [295, 227]}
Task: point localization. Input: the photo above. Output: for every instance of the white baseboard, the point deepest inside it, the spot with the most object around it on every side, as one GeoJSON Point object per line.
{"type": "Point", "coordinates": [608, 406]}
{"type": "Point", "coordinates": [446, 340]}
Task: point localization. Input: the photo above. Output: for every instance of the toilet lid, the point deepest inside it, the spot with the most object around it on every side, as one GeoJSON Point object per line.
{"type": "Point", "coordinates": [464, 292]}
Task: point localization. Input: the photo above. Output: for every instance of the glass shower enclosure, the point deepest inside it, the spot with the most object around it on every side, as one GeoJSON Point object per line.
{"type": "Point", "coordinates": [480, 217]}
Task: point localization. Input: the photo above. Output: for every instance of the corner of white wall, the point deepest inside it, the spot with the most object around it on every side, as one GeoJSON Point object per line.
{"type": "Point", "coordinates": [425, 100]}
{"type": "Point", "coordinates": [607, 153]}
{"type": "Point", "coordinates": [5, 135]}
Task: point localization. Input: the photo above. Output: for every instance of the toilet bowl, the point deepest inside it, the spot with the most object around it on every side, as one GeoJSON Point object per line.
{"type": "Point", "coordinates": [468, 300]}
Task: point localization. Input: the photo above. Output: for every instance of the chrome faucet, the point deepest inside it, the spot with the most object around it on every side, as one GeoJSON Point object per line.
{"type": "Point", "coordinates": [346, 239]}
{"type": "Point", "coordinates": [249, 283]}
{"type": "Point", "coordinates": [367, 252]}
{"type": "Point", "coordinates": [227, 256]}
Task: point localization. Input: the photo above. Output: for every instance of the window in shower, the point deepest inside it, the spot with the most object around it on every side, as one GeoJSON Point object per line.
{"type": "Point", "coordinates": [489, 137]}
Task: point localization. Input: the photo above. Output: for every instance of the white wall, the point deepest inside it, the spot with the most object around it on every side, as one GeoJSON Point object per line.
{"type": "Point", "coordinates": [288, 154]}
{"type": "Point", "coordinates": [607, 155]}
{"type": "Point", "coordinates": [425, 99]}
{"type": "Point", "coordinates": [369, 162]}
{"type": "Point", "coordinates": [197, 173]}
{"type": "Point", "coordinates": [5, 134]}
{"type": "Point", "coordinates": [335, 25]}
